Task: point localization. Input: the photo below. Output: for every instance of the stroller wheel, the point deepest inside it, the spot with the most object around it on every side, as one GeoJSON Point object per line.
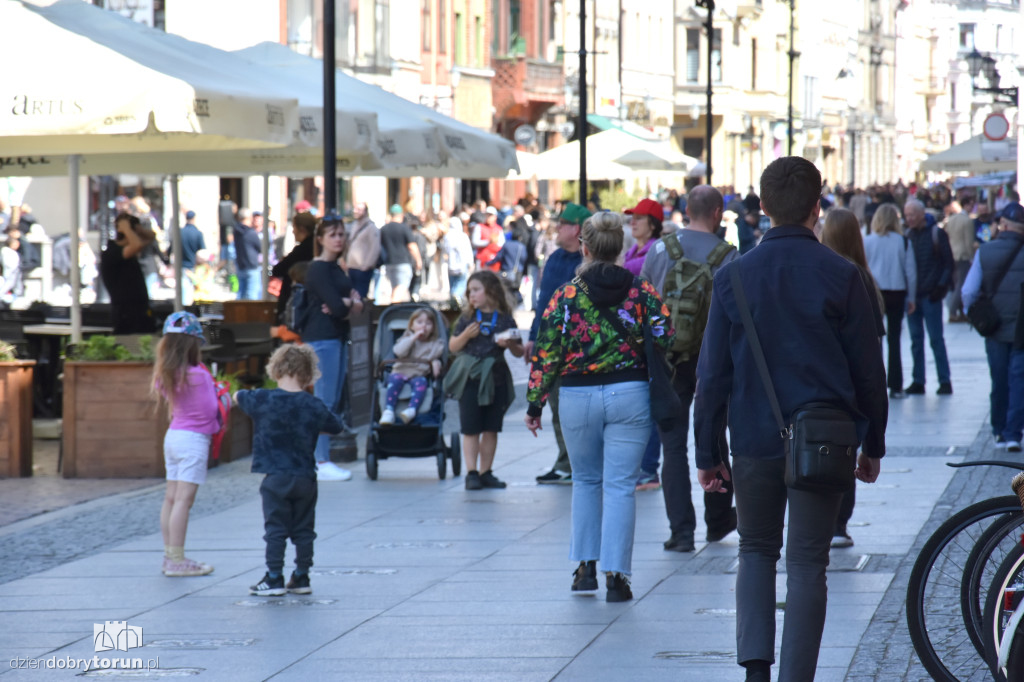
{"type": "Point", "coordinates": [456, 454]}
{"type": "Point", "coordinates": [441, 464]}
{"type": "Point", "coordinates": [371, 466]}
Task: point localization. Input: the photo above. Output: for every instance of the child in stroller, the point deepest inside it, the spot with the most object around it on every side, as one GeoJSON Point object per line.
{"type": "Point", "coordinates": [419, 352]}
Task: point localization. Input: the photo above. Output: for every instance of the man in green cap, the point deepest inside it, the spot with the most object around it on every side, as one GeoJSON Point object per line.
{"type": "Point", "coordinates": [559, 268]}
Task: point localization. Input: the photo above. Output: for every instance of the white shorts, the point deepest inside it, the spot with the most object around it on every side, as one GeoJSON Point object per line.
{"type": "Point", "coordinates": [185, 455]}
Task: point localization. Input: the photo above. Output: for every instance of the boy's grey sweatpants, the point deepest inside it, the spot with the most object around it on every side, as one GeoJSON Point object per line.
{"type": "Point", "coordinates": [289, 511]}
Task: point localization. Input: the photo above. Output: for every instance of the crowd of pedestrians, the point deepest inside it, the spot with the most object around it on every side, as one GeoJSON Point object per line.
{"type": "Point", "coordinates": [708, 285]}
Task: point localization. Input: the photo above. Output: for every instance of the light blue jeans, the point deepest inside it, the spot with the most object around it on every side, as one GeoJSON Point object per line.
{"type": "Point", "coordinates": [606, 429]}
{"type": "Point", "coordinates": [332, 357]}
{"type": "Point", "coordinates": [249, 285]}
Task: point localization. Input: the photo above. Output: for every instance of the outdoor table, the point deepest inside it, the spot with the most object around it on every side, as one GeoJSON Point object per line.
{"type": "Point", "coordinates": [44, 339]}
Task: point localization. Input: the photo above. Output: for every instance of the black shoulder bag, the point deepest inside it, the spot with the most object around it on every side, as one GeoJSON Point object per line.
{"type": "Point", "coordinates": [821, 440]}
{"type": "Point", "coordinates": [666, 407]}
{"type": "Point", "coordinates": [983, 314]}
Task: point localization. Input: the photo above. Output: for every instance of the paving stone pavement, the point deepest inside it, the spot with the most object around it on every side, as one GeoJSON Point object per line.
{"type": "Point", "coordinates": [418, 579]}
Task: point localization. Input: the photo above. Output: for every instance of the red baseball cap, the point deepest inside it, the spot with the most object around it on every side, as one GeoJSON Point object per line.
{"type": "Point", "coordinates": [303, 206]}
{"type": "Point", "coordinates": [648, 207]}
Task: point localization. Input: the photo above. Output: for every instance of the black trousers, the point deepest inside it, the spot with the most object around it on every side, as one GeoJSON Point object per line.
{"type": "Point", "coordinates": [289, 511]}
{"type": "Point", "coordinates": [761, 500]}
{"type": "Point", "coordinates": [675, 473]}
{"type": "Point", "coordinates": [895, 307]}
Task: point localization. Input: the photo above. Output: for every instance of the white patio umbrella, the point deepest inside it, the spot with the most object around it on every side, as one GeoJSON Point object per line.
{"type": "Point", "coordinates": [563, 162]}
{"type": "Point", "coordinates": [405, 147]}
{"type": "Point", "coordinates": [966, 156]}
{"type": "Point", "coordinates": [659, 157]}
{"type": "Point", "coordinates": [85, 98]}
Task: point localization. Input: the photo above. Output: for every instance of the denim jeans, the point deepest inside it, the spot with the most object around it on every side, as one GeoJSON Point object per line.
{"type": "Point", "coordinates": [928, 315]}
{"type": "Point", "coordinates": [249, 284]}
{"type": "Point", "coordinates": [457, 285]}
{"type": "Point", "coordinates": [761, 499]}
{"type": "Point", "coordinates": [606, 429]}
{"type": "Point", "coordinates": [652, 453]}
{"type": "Point", "coordinates": [361, 280]}
{"type": "Point", "coordinates": [332, 356]}
{"type": "Point", "coordinates": [1006, 367]}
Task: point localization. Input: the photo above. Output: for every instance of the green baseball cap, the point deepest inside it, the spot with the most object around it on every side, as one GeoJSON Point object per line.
{"type": "Point", "coordinates": [396, 209]}
{"type": "Point", "coordinates": [575, 214]}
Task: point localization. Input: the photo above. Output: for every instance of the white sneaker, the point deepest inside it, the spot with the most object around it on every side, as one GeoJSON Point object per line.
{"type": "Point", "coordinates": [329, 471]}
{"type": "Point", "coordinates": [387, 417]}
{"type": "Point", "coordinates": [1012, 446]}
{"type": "Point", "coordinates": [407, 415]}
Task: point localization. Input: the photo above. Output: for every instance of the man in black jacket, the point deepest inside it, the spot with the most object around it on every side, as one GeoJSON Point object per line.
{"type": "Point", "coordinates": [818, 335]}
{"type": "Point", "coordinates": [1003, 256]}
{"type": "Point", "coordinates": [934, 259]}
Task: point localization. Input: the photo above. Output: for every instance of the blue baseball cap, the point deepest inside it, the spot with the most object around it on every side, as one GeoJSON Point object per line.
{"type": "Point", "coordinates": [189, 215]}
{"type": "Point", "coordinates": [1013, 212]}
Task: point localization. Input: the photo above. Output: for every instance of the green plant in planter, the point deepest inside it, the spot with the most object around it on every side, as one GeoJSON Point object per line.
{"type": "Point", "coordinates": [8, 353]}
{"type": "Point", "coordinates": [102, 348]}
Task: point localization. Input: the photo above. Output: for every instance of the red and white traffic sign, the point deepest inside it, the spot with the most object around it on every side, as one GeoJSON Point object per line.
{"type": "Point", "coordinates": [996, 127]}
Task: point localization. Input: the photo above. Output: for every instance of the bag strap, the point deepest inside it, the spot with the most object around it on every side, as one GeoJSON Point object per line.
{"type": "Point", "coordinates": [1005, 270]}
{"type": "Point", "coordinates": [612, 319]}
{"type": "Point", "coordinates": [672, 246]}
{"type": "Point", "coordinates": [755, 348]}
{"type": "Point", "coordinates": [718, 254]}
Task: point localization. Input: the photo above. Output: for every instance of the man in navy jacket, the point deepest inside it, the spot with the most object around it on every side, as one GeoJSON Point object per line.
{"type": "Point", "coordinates": [815, 322]}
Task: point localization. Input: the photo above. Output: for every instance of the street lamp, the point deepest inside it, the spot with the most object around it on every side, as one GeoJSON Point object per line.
{"type": "Point", "coordinates": [709, 5]}
{"type": "Point", "coordinates": [978, 64]}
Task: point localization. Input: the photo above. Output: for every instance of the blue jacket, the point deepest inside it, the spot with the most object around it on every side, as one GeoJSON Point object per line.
{"type": "Point", "coordinates": [816, 327]}
{"type": "Point", "coordinates": [559, 268]}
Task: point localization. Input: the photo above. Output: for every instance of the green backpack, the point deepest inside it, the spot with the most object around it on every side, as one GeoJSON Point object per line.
{"type": "Point", "coordinates": [688, 296]}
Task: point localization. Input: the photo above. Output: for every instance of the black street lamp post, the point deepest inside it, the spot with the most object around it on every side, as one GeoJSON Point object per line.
{"type": "Point", "coordinates": [978, 63]}
{"type": "Point", "coordinates": [709, 25]}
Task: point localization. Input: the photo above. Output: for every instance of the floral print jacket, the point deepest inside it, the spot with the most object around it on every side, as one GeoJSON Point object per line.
{"type": "Point", "coordinates": [576, 339]}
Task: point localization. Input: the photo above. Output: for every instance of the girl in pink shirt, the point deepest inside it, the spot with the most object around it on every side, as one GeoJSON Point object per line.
{"type": "Point", "coordinates": [182, 381]}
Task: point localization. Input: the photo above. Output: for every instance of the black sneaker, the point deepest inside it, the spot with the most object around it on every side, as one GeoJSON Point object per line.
{"type": "Point", "coordinates": [555, 476]}
{"type": "Point", "coordinates": [679, 542]}
{"type": "Point", "coordinates": [269, 587]}
{"type": "Point", "coordinates": [585, 577]}
{"type": "Point", "coordinates": [473, 481]}
{"type": "Point", "coordinates": [618, 588]}
{"type": "Point", "coordinates": [489, 480]}
{"type": "Point", "coordinates": [299, 584]}
{"type": "Point", "coordinates": [945, 389]}
{"type": "Point", "coordinates": [914, 389]}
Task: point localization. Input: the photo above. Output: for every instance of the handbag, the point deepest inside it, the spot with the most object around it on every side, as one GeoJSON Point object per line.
{"type": "Point", "coordinates": [666, 407]}
{"type": "Point", "coordinates": [821, 440]}
{"type": "Point", "coordinates": [983, 314]}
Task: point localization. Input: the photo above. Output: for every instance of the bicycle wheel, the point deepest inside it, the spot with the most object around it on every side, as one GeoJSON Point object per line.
{"type": "Point", "coordinates": [934, 617]}
{"type": "Point", "coordinates": [994, 544]}
{"type": "Point", "coordinates": [996, 614]}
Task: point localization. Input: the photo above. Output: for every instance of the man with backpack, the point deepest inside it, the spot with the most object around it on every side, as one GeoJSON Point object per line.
{"type": "Point", "coordinates": [681, 265]}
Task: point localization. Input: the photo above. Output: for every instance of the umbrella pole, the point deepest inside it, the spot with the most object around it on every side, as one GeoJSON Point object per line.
{"type": "Point", "coordinates": [76, 274]}
{"type": "Point", "coordinates": [265, 238]}
{"type": "Point", "coordinates": [176, 245]}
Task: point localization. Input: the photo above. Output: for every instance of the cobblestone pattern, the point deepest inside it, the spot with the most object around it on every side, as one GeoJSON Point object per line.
{"type": "Point", "coordinates": [885, 652]}
{"type": "Point", "coordinates": [77, 532]}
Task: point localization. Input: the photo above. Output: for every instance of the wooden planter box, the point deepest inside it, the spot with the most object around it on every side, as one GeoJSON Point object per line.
{"type": "Point", "coordinates": [16, 418]}
{"type": "Point", "coordinates": [113, 428]}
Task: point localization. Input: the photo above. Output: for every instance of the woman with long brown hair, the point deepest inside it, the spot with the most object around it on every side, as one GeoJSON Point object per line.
{"type": "Point", "coordinates": [331, 299]}
{"type": "Point", "coordinates": [841, 233]}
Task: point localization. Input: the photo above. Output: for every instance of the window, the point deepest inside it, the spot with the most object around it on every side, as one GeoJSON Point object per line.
{"type": "Point", "coordinates": [716, 56]}
{"type": "Point", "coordinates": [478, 47]}
{"type": "Point", "coordinates": [460, 39]}
{"type": "Point", "coordinates": [967, 36]}
{"type": "Point", "coordinates": [426, 30]}
{"type": "Point", "coordinates": [496, 46]}
{"type": "Point", "coordinates": [692, 54]}
{"type": "Point", "coordinates": [442, 28]}
{"type": "Point", "coordinates": [999, 34]}
{"type": "Point", "coordinates": [516, 41]}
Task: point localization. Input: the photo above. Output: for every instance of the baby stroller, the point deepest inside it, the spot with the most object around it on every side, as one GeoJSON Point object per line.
{"type": "Point", "coordinates": [424, 435]}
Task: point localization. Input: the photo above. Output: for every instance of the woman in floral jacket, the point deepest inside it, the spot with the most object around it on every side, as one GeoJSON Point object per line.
{"type": "Point", "coordinates": [604, 401]}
